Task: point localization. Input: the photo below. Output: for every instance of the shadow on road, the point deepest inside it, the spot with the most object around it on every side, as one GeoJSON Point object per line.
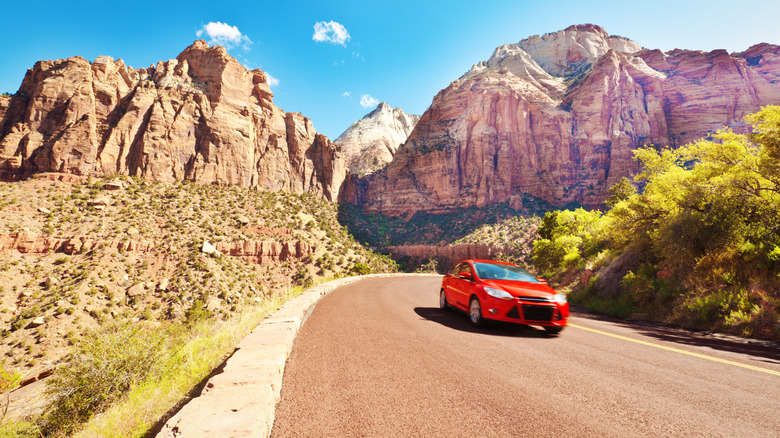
{"type": "Point", "coordinates": [768, 352]}
{"type": "Point", "coordinates": [459, 321]}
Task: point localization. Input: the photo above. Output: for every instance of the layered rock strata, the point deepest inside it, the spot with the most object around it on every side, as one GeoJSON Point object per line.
{"type": "Point", "coordinates": [257, 251]}
{"type": "Point", "coordinates": [558, 116]}
{"type": "Point", "coordinates": [200, 117]}
{"type": "Point", "coordinates": [35, 243]}
{"type": "Point", "coordinates": [370, 143]}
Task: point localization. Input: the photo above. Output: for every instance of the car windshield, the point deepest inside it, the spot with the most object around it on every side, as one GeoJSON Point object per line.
{"type": "Point", "coordinates": [490, 271]}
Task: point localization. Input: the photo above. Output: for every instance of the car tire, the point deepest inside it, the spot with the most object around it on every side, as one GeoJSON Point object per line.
{"type": "Point", "coordinates": [553, 330]}
{"type": "Point", "coordinates": [443, 304]}
{"type": "Point", "coordinates": [475, 312]}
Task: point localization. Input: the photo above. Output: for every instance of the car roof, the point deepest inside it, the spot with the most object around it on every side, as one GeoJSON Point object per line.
{"type": "Point", "coordinates": [496, 262]}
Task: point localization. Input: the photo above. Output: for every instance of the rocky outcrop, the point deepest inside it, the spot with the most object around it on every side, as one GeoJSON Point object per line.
{"type": "Point", "coordinates": [260, 251]}
{"type": "Point", "coordinates": [34, 243]}
{"type": "Point", "coordinates": [263, 252]}
{"type": "Point", "coordinates": [370, 143]}
{"type": "Point", "coordinates": [200, 117]}
{"type": "Point", "coordinates": [557, 117]}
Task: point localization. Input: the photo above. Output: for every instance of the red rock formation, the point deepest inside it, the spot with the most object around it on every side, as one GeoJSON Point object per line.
{"type": "Point", "coordinates": [558, 116]}
{"type": "Point", "coordinates": [34, 243]}
{"type": "Point", "coordinates": [200, 117]}
{"type": "Point", "coordinates": [261, 252]}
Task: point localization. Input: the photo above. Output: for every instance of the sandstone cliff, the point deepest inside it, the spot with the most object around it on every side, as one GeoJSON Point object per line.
{"type": "Point", "coordinates": [370, 143]}
{"type": "Point", "coordinates": [200, 117]}
{"type": "Point", "coordinates": [557, 117]}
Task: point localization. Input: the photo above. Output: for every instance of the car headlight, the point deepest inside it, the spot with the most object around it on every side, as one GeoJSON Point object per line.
{"type": "Point", "coordinates": [559, 298]}
{"type": "Point", "coordinates": [498, 293]}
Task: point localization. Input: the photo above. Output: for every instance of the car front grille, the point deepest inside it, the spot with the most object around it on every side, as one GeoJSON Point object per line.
{"type": "Point", "coordinates": [537, 313]}
{"type": "Point", "coordinates": [535, 299]}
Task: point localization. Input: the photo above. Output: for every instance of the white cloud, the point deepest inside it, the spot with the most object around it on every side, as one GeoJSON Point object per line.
{"type": "Point", "coordinates": [272, 81]}
{"type": "Point", "coordinates": [224, 35]}
{"type": "Point", "coordinates": [331, 32]}
{"type": "Point", "coordinates": [367, 101]}
{"type": "Point", "coordinates": [346, 94]}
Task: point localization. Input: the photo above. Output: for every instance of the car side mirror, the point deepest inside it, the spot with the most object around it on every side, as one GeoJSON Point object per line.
{"type": "Point", "coordinates": [541, 280]}
{"type": "Point", "coordinates": [465, 275]}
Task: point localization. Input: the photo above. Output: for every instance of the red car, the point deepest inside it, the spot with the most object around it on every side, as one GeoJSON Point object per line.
{"type": "Point", "coordinates": [503, 292]}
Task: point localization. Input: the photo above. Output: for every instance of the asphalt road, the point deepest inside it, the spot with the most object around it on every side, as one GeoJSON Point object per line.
{"type": "Point", "coordinates": [379, 359]}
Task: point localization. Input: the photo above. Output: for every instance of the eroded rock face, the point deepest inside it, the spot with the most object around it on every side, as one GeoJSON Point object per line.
{"type": "Point", "coordinates": [447, 255]}
{"type": "Point", "coordinates": [370, 143]}
{"type": "Point", "coordinates": [557, 117]}
{"type": "Point", "coordinates": [257, 251]}
{"type": "Point", "coordinates": [201, 117]}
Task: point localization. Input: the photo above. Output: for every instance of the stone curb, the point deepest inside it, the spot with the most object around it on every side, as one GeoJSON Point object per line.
{"type": "Point", "coordinates": [241, 400]}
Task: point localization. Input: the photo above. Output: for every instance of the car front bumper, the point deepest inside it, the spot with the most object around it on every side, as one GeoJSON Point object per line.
{"type": "Point", "coordinates": [518, 311]}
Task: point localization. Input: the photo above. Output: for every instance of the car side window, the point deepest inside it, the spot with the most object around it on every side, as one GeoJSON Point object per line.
{"type": "Point", "coordinates": [464, 268]}
{"type": "Point", "coordinates": [456, 269]}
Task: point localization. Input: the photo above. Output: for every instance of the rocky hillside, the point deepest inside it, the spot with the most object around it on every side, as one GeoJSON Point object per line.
{"type": "Point", "coordinates": [556, 118]}
{"type": "Point", "coordinates": [370, 143]}
{"type": "Point", "coordinates": [200, 117]}
{"type": "Point", "coordinates": [77, 253]}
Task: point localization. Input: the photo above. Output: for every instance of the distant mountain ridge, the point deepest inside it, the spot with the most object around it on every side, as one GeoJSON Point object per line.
{"type": "Point", "coordinates": [371, 142]}
{"type": "Point", "coordinates": [556, 117]}
{"type": "Point", "coordinates": [201, 117]}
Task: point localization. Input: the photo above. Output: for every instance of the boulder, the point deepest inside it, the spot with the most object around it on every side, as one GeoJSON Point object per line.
{"type": "Point", "coordinates": [209, 249]}
{"type": "Point", "coordinates": [135, 290]}
{"type": "Point", "coordinates": [114, 184]}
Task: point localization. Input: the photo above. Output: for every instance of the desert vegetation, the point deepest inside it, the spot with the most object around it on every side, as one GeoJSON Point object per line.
{"type": "Point", "coordinates": [91, 265]}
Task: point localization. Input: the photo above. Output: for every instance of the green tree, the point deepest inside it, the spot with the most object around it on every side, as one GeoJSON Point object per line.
{"type": "Point", "coordinates": [8, 381]}
{"type": "Point", "coordinates": [702, 236]}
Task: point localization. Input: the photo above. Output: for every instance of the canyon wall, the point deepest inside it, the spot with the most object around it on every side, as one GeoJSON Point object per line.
{"type": "Point", "coordinates": [201, 117]}
{"type": "Point", "coordinates": [558, 116]}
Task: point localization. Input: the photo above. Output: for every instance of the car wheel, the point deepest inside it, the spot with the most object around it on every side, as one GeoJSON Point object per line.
{"type": "Point", "coordinates": [475, 312]}
{"type": "Point", "coordinates": [443, 304]}
{"type": "Point", "coordinates": [553, 330]}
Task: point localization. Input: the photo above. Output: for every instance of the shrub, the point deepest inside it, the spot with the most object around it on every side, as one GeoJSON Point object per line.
{"type": "Point", "coordinates": [106, 364]}
{"type": "Point", "coordinates": [8, 381]}
{"type": "Point", "coordinates": [361, 269]}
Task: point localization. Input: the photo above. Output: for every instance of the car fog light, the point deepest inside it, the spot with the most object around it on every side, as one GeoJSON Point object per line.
{"type": "Point", "coordinates": [493, 311]}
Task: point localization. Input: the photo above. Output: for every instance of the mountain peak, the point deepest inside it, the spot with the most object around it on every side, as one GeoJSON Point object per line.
{"type": "Point", "coordinates": [371, 142]}
{"type": "Point", "coordinates": [564, 53]}
{"type": "Point", "coordinates": [594, 28]}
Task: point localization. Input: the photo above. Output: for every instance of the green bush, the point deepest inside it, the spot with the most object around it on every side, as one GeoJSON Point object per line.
{"type": "Point", "coordinates": [361, 269]}
{"type": "Point", "coordinates": [105, 366]}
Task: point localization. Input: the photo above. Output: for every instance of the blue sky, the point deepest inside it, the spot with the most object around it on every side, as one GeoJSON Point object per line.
{"type": "Point", "coordinates": [402, 52]}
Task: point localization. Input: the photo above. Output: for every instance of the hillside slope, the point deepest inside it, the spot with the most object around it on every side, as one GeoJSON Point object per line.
{"type": "Point", "coordinates": [75, 255]}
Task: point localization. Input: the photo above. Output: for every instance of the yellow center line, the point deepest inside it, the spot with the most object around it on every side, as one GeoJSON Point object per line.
{"type": "Point", "coordinates": [677, 350]}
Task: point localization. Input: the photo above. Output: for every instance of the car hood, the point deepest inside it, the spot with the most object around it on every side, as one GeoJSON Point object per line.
{"type": "Point", "coordinates": [522, 288]}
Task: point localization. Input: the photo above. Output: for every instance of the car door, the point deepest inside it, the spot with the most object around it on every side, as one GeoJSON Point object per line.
{"type": "Point", "coordinates": [461, 285]}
